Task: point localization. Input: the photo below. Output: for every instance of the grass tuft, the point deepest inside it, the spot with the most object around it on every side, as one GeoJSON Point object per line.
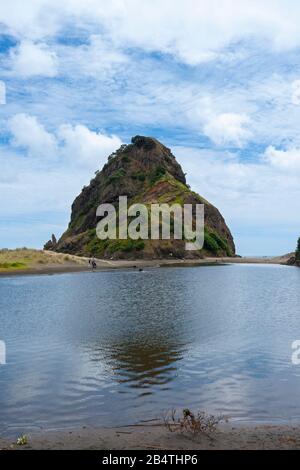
{"type": "Point", "coordinates": [195, 423]}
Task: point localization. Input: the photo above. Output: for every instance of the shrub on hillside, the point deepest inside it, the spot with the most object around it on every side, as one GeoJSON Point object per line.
{"type": "Point", "coordinates": [298, 250]}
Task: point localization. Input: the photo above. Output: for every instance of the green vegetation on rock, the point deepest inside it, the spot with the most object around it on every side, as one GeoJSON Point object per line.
{"type": "Point", "coordinates": [116, 176]}
{"type": "Point", "coordinates": [97, 247]}
{"type": "Point", "coordinates": [216, 244]}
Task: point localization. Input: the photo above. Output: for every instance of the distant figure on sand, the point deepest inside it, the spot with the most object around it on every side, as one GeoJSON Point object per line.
{"type": "Point", "coordinates": [92, 263]}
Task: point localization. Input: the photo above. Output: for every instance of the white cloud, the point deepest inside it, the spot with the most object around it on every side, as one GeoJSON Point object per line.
{"type": "Point", "coordinates": [193, 30]}
{"type": "Point", "coordinates": [296, 92]}
{"type": "Point", "coordinates": [2, 92]}
{"type": "Point", "coordinates": [30, 59]}
{"type": "Point", "coordinates": [87, 147]}
{"type": "Point", "coordinates": [30, 134]}
{"type": "Point", "coordinates": [228, 129]}
{"type": "Point", "coordinates": [283, 159]}
{"type": "Point", "coordinates": [99, 59]}
{"type": "Point", "coordinates": [77, 144]}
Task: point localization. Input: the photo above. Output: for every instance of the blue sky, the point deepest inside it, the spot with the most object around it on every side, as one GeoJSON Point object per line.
{"type": "Point", "coordinates": [218, 82]}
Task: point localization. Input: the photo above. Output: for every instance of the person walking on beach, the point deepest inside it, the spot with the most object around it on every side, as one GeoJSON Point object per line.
{"type": "Point", "coordinates": [93, 262]}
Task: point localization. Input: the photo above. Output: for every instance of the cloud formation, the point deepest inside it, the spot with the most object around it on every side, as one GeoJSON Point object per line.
{"type": "Point", "coordinates": [194, 30]}
{"type": "Point", "coordinates": [78, 144]}
{"type": "Point", "coordinates": [296, 92]}
{"type": "Point", "coordinates": [228, 129]}
{"type": "Point", "coordinates": [283, 159]}
{"type": "Point", "coordinates": [87, 147]}
{"type": "Point", "coordinates": [29, 134]}
{"type": "Point", "coordinates": [31, 59]}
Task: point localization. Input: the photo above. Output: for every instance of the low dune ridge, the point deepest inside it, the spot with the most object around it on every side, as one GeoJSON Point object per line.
{"type": "Point", "coordinates": [21, 259]}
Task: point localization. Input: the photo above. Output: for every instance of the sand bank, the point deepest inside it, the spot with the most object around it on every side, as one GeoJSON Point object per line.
{"type": "Point", "coordinates": [80, 264]}
{"type": "Point", "coordinates": [157, 437]}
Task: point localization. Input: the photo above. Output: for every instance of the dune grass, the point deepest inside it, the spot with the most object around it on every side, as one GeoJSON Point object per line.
{"type": "Point", "coordinates": [26, 258]}
{"type": "Point", "coordinates": [12, 265]}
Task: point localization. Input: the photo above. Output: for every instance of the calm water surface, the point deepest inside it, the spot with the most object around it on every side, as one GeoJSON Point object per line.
{"type": "Point", "coordinates": [112, 348]}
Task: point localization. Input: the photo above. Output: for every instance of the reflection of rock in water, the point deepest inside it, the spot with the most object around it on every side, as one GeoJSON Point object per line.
{"type": "Point", "coordinates": [142, 346]}
{"type": "Point", "coordinates": [136, 327]}
{"type": "Point", "coordinates": [142, 364]}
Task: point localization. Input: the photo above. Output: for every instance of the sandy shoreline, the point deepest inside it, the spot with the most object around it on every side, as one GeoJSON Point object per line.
{"type": "Point", "coordinates": [81, 264]}
{"type": "Point", "coordinates": [157, 437]}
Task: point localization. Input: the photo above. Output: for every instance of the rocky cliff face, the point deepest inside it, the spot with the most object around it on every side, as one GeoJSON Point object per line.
{"type": "Point", "coordinates": [297, 253]}
{"type": "Point", "coordinates": [295, 259]}
{"type": "Point", "coordinates": [146, 172]}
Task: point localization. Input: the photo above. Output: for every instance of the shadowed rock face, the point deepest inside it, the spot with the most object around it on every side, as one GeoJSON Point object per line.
{"type": "Point", "coordinates": [295, 260]}
{"type": "Point", "coordinates": [297, 254]}
{"type": "Point", "coordinates": [146, 172]}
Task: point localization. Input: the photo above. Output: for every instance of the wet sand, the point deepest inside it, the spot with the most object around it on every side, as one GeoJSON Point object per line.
{"type": "Point", "coordinates": [158, 437]}
{"type": "Point", "coordinates": [80, 264]}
